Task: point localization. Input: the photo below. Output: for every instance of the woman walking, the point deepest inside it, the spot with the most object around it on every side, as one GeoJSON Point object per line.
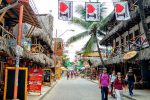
{"type": "Point", "coordinates": [118, 86]}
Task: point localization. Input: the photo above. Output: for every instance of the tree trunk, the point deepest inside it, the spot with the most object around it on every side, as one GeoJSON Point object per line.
{"type": "Point", "coordinates": [144, 24]}
{"type": "Point", "coordinates": [99, 51]}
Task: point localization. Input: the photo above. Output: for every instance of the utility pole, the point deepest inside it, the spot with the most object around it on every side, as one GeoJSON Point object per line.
{"type": "Point", "coordinates": [18, 57]}
{"type": "Point", "coordinates": [142, 16]}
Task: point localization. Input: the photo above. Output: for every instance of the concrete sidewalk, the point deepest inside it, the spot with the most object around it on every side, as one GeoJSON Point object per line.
{"type": "Point", "coordinates": [138, 94]}
{"type": "Point", "coordinates": [37, 96]}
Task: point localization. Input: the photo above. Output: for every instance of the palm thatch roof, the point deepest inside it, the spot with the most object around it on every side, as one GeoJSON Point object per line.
{"type": "Point", "coordinates": [47, 28]}
{"type": "Point", "coordinates": [142, 55]}
{"type": "Point", "coordinates": [123, 24]}
{"type": "Point", "coordinates": [3, 46]}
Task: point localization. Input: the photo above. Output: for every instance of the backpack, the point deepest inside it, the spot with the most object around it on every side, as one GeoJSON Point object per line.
{"type": "Point", "coordinates": [101, 76]}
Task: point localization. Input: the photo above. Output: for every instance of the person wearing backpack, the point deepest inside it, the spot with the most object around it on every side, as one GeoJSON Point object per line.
{"type": "Point", "coordinates": [103, 84]}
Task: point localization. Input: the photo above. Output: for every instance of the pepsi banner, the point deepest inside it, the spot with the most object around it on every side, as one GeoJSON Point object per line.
{"type": "Point", "coordinates": [92, 11]}
{"type": "Point", "coordinates": [65, 10]}
{"type": "Point", "coordinates": [122, 11]}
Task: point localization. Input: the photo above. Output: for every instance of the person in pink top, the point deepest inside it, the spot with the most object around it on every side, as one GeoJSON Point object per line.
{"type": "Point", "coordinates": [103, 84]}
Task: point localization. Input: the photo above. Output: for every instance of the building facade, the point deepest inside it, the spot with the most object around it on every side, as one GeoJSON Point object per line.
{"type": "Point", "coordinates": [126, 36]}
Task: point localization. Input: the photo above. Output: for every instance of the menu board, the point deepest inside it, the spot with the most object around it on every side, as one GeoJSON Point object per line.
{"type": "Point", "coordinates": [46, 75]}
{"type": "Point", "coordinates": [9, 83]}
{"type": "Point", "coordinates": [35, 80]}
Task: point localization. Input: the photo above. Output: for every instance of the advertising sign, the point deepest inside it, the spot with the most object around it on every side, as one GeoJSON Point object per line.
{"type": "Point", "coordinates": [92, 11]}
{"type": "Point", "coordinates": [65, 10]}
{"type": "Point", "coordinates": [35, 80]}
{"type": "Point", "coordinates": [122, 11]}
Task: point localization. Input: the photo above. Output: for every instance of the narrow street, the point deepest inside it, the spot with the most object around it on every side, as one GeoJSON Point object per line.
{"type": "Point", "coordinates": [76, 89]}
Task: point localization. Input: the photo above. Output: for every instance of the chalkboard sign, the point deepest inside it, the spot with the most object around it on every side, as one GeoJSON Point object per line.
{"type": "Point", "coordinates": [9, 83]}
{"type": "Point", "coordinates": [46, 75]}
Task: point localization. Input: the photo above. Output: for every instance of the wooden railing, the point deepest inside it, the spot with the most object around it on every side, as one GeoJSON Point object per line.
{"type": "Point", "coordinates": [37, 48]}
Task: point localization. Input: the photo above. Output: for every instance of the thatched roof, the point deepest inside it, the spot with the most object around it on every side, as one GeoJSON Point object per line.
{"type": "Point", "coordinates": [28, 15]}
{"type": "Point", "coordinates": [142, 55]}
{"type": "Point", "coordinates": [47, 28]}
{"type": "Point", "coordinates": [3, 46]}
{"type": "Point", "coordinates": [124, 24]}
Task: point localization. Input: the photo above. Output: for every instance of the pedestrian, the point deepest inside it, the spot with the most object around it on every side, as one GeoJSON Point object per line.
{"type": "Point", "coordinates": [118, 86]}
{"type": "Point", "coordinates": [71, 74]}
{"type": "Point", "coordinates": [131, 79]}
{"type": "Point", "coordinates": [68, 75]}
{"type": "Point", "coordinates": [104, 83]}
{"type": "Point", "coordinates": [112, 79]}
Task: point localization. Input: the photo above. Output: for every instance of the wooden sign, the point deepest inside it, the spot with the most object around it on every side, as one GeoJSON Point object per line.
{"type": "Point", "coordinates": [35, 80]}
{"type": "Point", "coordinates": [9, 83]}
{"type": "Point", "coordinates": [129, 55]}
{"type": "Point", "coordinates": [47, 76]}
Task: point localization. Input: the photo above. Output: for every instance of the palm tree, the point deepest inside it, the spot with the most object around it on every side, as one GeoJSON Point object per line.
{"type": "Point", "coordinates": [92, 29]}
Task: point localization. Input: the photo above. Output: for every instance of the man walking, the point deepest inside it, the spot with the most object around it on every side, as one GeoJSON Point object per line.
{"type": "Point", "coordinates": [131, 79]}
{"type": "Point", "coordinates": [104, 83]}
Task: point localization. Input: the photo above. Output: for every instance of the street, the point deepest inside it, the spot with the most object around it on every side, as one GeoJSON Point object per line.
{"type": "Point", "coordinates": [75, 89]}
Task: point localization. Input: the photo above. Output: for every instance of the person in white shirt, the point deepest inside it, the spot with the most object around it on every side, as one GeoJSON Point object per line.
{"type": "Point", "coordinates": [112, 79]}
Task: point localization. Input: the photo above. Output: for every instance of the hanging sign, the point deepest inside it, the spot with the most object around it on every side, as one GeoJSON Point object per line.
{"type": "Point", "coordinates": [92, 11]}
{"type": "Point", "coordinates": [129, 55]}
{"type": "Point", "coordinates": [65, 10]}
{"type": "Point", "coordinates": [122, 11]}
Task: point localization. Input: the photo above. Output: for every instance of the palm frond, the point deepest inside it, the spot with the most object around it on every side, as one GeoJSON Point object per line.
{"type": "Point", "coordinates": [77, 37]}
{"type": "Point", "coordinates": [81, 11]}
{"type": "Point", "coordinates": [105, 21]}
{"type": "Point", "coordinates": [89, 45]}
{"type": "Point", "coordinates": [81, 22]}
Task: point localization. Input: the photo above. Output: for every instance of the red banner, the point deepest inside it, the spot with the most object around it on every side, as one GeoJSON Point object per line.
{"type": "Point", "coordinates": [35, 80]}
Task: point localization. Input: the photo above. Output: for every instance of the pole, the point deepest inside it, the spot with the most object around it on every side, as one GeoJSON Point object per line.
{"type": "Point", "coordinates": [17, 57]}
{"type": "Point", "coordinates": [55, 50]}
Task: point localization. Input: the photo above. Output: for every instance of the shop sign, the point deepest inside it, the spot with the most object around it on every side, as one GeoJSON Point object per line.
{"type": "Point", "coordinates": [35, 80]}
{"type": "Point", "coordinates": [129, 55]}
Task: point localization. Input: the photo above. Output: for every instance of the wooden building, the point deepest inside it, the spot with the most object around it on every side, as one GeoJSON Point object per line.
{"type": "Point", "coordinates": [36, 39]}
{"type": "Point", "coordinates": [126, 36]}
{"type": "Point", "coordinates": [58, 53]}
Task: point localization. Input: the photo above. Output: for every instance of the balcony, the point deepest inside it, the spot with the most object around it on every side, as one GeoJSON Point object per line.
{"type": "Point", "coordinates": [37, 48]}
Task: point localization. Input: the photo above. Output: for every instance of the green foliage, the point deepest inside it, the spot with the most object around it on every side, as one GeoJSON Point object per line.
{"type": "Point", "coordinates": [77, 37]}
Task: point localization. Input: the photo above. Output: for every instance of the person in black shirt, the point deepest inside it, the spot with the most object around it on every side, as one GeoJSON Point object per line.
{"type": "Point", "coordinates": [131, 80]}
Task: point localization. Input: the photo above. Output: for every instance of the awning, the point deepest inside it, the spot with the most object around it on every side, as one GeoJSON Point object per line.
{"type": "Point", "coordinates": [28, 16]}
{"type": "Point", "coordinates": [63, 68]}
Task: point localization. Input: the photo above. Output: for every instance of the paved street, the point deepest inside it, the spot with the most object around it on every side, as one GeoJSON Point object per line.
{"type": "Point", "coordinates": [76, 89]}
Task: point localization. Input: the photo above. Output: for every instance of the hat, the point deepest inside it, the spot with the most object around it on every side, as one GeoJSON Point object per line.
{"type": "Point", "coordinates": [105, 68]}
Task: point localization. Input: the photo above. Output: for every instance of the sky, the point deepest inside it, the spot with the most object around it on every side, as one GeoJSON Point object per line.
{"type": "Point", "coordinates": [51, 7]}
